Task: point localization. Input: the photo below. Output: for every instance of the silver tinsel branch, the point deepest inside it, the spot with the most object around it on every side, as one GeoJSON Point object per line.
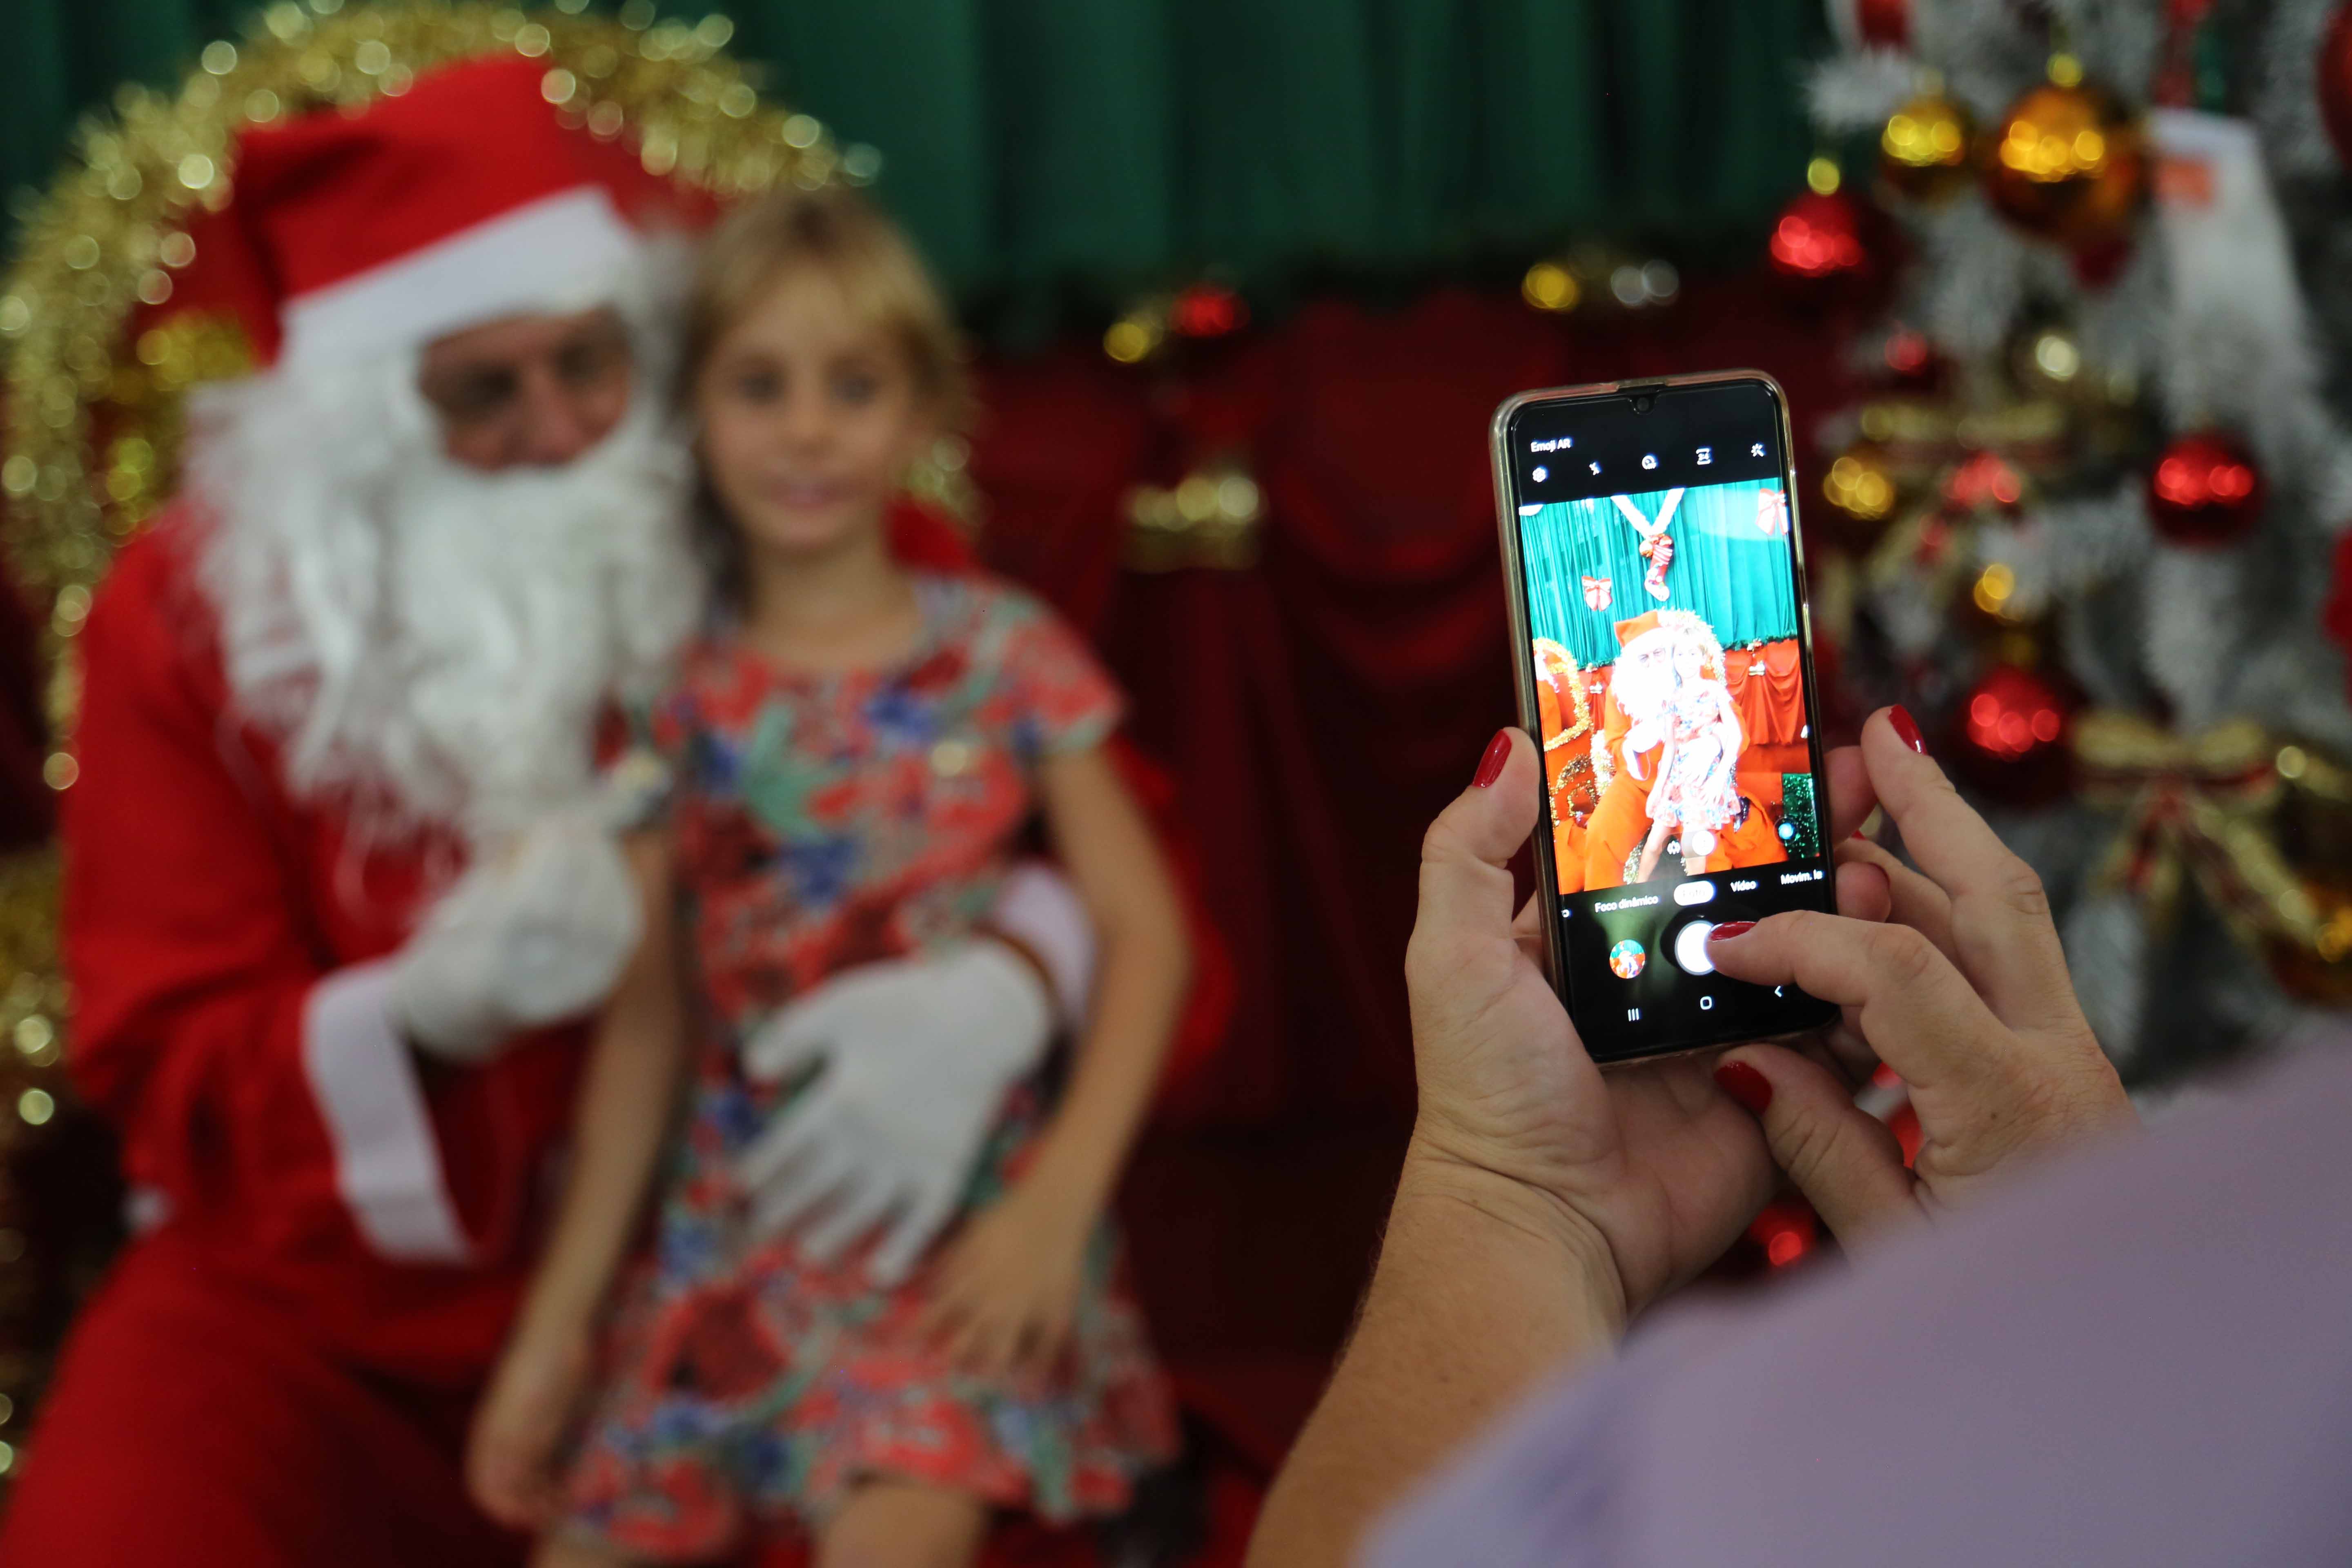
{"type": "Point", "coordinates": [2287, 98]}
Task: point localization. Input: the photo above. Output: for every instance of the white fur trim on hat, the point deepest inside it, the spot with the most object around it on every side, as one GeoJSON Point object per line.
{"type": "Point", "coordinates": [566, 252]}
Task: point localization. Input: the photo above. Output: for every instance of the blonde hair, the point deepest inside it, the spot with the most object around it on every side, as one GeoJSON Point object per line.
{"type": "Point", "coordinates": [836, 230]}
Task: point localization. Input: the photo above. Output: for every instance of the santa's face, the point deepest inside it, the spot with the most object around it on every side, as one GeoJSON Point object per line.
{"type": "Point", "coordinates": [433, 570]}
{"type": "Point", "coordinates": [528, 391]}
{"type": "Point", "coordinates": [809, 416]}
{"type": "Point", "coordinates": [1644, 677]}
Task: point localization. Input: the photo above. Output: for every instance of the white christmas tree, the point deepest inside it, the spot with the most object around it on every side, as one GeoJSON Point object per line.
{"type": "Point", "coordinates": [2124, 483]}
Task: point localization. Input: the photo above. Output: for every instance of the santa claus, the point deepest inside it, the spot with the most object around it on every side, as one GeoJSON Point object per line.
{"type": "Point", "coordinates": [342, 867]}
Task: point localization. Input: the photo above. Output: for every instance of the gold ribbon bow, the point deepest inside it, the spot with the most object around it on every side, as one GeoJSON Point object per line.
{"type": "Point", "coordinates": [2198, 806]}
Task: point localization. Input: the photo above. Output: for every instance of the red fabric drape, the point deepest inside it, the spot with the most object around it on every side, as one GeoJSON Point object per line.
{"type": "Point", "coordinates": [1317, 711]}
{"type": "Point", "coordinates": [1767, 688]}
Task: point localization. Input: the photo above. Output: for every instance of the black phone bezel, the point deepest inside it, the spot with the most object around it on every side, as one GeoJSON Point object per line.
{"type": "Point", "coordinates": [1506, 507]}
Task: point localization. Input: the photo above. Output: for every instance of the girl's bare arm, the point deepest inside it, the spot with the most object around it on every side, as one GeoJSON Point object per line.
{"type": "Point", "coordinates": [622, 1118]}
{"type": "Point", "coordinates": [1110, 852]}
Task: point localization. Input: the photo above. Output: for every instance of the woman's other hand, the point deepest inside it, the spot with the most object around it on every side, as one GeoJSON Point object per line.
{"type": "Point", "coordinates": [1963, 992]}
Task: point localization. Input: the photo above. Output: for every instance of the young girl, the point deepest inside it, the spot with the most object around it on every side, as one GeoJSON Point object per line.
{"type": "Point", "coordinates": [856, 747]}
{"type": "Point", "coordinates": [1686, 710]}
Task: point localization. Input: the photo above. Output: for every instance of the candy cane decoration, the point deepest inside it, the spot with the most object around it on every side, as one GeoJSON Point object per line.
{"type": "Point", "coordinates": [1656, 544]}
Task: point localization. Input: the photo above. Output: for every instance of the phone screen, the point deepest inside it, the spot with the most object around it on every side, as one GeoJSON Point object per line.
{"type": "Point", "coordinates": [1667, 655]}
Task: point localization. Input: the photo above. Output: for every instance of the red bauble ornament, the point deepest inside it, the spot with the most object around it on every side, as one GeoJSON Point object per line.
{"type": "Point", "coordinates": [2011, 740]}
{"type": "Point", "coordinates": [2336, 83]}
{"type": "Point", "coordinates": [1985, 482]}
{"type": "Point", "coordinates": [1911, 357]}
{"type": "Point", "coordinates": [2335, 615]}
{"type": "Point", "coordinates": [2204, 491]}
{"type": "Point", "coordinates": [1819, 239]}
{"type": "Point", "coordinates": [1882, 24]}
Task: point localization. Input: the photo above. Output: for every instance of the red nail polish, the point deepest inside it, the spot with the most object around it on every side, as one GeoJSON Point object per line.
{"type": "Point", "coordinates": [1730, 927]}
{"type": "Point", "coordinates": [1751, 1088]}
{"type": "Point", "coordinates": [1490, 766]}
{"type": "Point", "coordinates": [1906, 729]}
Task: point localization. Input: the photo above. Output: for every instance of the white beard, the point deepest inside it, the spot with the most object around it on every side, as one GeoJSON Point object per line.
{"type": "Point", "coordinates": [433, 645]}
{"type": "Point", "coordinates": [1643, 682]}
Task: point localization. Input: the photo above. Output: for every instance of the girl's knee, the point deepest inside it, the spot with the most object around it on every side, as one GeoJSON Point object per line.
{"type": "Point", "coordinates": [558, 1551]}
{"type": "Point", "coordinates": [899, 1524]}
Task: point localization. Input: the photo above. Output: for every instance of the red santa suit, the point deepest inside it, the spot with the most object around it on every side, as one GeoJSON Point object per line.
{"type": "Point", "coordinates": [280, 1366]}
{"type": "Point", "coordinates": [332, 1229]}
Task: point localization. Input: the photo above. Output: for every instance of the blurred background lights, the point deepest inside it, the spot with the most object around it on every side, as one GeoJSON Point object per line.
{"type": "Point", "coordinates": [1548, 286]}
{"type": "Point", "coordinates": [2055, 356]}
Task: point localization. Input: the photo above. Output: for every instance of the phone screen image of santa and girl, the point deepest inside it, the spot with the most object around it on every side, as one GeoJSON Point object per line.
{"type": "Point", "coordinates": [1669, 683]}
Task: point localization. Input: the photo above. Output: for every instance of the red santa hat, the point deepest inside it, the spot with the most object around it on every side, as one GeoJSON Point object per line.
{"type": "Point", "coordinates": [1627, 630]}
{"type": "Point", "coordinates": [459, 202]}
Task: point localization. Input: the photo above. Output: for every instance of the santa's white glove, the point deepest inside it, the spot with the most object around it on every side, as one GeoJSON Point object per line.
{"type": "Point", "coordinates": [528, 937]}
{"type": "Point", "coordinates": [917, 1055]}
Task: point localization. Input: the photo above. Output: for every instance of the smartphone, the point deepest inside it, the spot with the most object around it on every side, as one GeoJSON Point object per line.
{"type": "Point", "coordinates": [1656, 571]}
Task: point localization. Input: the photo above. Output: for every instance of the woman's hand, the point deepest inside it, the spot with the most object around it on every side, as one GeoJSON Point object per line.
{"type": "Point", "coordinates": [1003, 1294]}
{"type": "Point", "coordinates": [1964, 992]}
{"type": "Point", "coordinates": [1649, 1169]}
{"type": "Point", "coordinates": [522, 1425]}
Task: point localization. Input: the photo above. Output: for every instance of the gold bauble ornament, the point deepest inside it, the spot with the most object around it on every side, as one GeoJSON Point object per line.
{"type": "Point", "coordinates": [1923, 152]}
{"type": "Point", "coordinates": [2068, 163]}
{"type": "Point", "coordinates": [1860, 489]}
{"type": "Point", "coordinates": [2319, 971]}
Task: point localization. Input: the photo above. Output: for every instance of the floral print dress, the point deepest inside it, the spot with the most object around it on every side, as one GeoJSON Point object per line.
{"type": "Point", "coordinates": [824, 821]}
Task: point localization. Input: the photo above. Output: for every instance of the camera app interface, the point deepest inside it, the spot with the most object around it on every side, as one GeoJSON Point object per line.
{"type": "Point", "coordinates": [1672, 700]}
{"type": "Point", "coordinates": [1667, 672]}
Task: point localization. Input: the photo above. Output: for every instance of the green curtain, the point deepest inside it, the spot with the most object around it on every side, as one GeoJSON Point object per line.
{"type": "Point", "coordinates": [1036, 145]}
{"type": "Point", "coordinates": [1733, 574]}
